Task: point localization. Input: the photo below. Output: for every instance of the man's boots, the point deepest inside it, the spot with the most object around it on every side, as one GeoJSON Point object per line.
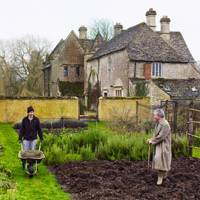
{"type": "Point", "coordinates": [160, 178]}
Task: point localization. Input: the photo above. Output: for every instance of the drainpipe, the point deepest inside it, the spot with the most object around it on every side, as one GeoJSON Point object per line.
{"type": "Point", "coordinates": [128, 89]}
{"type": "Point", "coordinates": [134, 70]}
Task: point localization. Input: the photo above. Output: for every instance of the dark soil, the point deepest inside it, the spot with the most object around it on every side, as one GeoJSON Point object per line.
{"type": "Point", "coordinates": [125, 180]}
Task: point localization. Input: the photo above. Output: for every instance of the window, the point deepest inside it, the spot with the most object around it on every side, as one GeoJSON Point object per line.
{"type": "Point", "coordinates": [118, 92]}
{"type": "Point", "coordinates": [157, 69]}
{"type": "Point", "coordinates": [105, 94]}
{"type": "Point", "coordinates": [78, 72]}
{"type": "Point", "coordinates": [66, 71]}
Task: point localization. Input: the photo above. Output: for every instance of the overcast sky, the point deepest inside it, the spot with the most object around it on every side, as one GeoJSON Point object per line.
{"type": "Point", "coordinates": [54, 19]}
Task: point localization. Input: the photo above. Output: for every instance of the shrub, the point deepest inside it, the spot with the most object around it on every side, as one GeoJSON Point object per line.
{"type": "Point", "coordinates": [103, 145]}
{"type": "Point", "coordinates": [86, 153]}
{"type": "Point", "coordinates": [180, 146]}
{"type": "Point", "coordinates": [123, 120]}
{"type": "Point", "coordinates": [6, 182]}
{"type": "Point", "coordinates": [58, 124]}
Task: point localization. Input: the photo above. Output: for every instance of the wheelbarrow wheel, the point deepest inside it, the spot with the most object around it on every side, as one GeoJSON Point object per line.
{"type": "Point", "coordinates": [23, 165]}
{"type": "Point", "coordinates": [31, 170]}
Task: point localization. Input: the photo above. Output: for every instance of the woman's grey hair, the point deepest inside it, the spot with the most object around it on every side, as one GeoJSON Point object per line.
{"type": "Point", "coordinates": [160, 112]}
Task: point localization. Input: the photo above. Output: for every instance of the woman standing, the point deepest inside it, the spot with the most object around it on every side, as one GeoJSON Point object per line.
{"type": "Point", "coordinates": [162, 141]}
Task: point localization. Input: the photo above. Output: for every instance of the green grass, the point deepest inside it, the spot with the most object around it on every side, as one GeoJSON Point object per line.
{"type": "Point", "coordinates": [41, 187]}
{"type": "Point", "coordinates": [196, 152]}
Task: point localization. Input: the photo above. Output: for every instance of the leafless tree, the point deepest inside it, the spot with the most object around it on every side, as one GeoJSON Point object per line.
{"type": "Point", "coordinates": [104, 27]}
{"type": "Point", "coordinates": [21, 62]}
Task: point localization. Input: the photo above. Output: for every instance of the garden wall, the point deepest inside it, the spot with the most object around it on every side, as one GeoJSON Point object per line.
{"type": "Point", "coordinates": [14, 109]}
{"type": "Point", "coordinates": [140, 108]}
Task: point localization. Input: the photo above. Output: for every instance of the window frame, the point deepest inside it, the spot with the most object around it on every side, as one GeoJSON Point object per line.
{"type": "Point", "coordinates": [157, 69]}
{"type": "Point", "coordinates": [118, 92]}
{"type": "Point", "coordinates": [78, 71]}
{"type": "Point", "coordinates": [65, 69]}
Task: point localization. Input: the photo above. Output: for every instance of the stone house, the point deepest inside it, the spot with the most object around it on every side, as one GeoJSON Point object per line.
{"type": "Point", "coordinates": [66, 62]}
{"type": "Point", "coordinates": [140, 55]}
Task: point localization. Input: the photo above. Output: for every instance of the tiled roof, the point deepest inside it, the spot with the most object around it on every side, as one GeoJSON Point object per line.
{"type": "Point", "coordinates": [180, 87]}
{"type": "Point", "coordinates": [143, 44]}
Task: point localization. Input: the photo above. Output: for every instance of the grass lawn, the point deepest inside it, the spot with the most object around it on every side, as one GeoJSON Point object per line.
{"type": "Point", "coordinates": [41, 187]}
{"type": "Point", "coordinates": [196, 152]}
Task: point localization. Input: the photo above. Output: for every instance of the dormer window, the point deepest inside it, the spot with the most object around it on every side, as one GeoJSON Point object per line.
{"type": "Point", "coordinates": [156, 70]}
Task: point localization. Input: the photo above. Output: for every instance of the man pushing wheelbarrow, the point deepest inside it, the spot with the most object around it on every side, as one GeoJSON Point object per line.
{"type": "Point", "coordinates": [29, 131]}
{"type": "Point", "coordinates": [162, 142]}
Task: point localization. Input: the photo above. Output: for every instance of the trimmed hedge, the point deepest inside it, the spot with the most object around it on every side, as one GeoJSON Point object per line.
{"type": "Point", "coordinates": [57, 124]}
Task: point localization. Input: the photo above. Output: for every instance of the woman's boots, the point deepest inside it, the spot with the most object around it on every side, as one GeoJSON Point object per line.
{"type": "Point", "coordinates": [161, 176]}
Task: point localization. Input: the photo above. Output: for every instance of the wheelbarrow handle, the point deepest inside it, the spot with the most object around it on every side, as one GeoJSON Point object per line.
{"type": "Point", "coordinates": [40, 144]}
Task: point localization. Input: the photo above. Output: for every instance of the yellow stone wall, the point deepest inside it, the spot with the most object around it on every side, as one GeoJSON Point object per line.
{"type": "Point", "coordinates": [108, 107]}
{"type": "Point", "coordinates": [13, 110]}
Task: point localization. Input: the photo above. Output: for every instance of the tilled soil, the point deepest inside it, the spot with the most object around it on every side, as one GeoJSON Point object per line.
{"type": "Point", "coordinates": [125, 180]}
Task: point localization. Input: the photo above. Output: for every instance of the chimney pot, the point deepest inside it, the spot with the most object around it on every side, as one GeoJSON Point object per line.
{"type": "Point", "coordinates": [151, 18]}
{"type": "Point", "coordinates": [82, 32]}
{"type": "Point", "coordinates": [165, 28]}
{"type": "Point", "coordinates": [118, 28]}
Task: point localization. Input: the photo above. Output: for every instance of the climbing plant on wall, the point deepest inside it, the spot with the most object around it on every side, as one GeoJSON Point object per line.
{"type": "Point", "coordinates": [71, 89]}
{"type": "Point", "coordinates": [141, 89]}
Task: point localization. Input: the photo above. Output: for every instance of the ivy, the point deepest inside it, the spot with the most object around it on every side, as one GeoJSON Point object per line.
{"type": "Point", "coordinates": [71, 89]}
{"type": "Point", "coordinates": [141, 89]}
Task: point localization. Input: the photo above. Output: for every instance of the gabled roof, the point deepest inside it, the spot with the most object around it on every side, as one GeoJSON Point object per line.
{"type": "Point", "coordinates": [143, 44]}
{"type": "Point", "coordinates": [86, 44]}
{"type": "Point", "coordinates": [57, 47]}
{"type": "Point", "coordinates": [179, 87]}
{"type": "Point", "coordinates": [178, 43]}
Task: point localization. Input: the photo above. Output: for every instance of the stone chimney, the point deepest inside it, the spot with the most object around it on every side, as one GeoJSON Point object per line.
{"type": "Point", "coordinates": [82, 32]}
{"type": "Point", "coordinates": [165, 28]}
{"type": "Point", "coordinates": [118, 28]}
{"type": "Point", "coordinates": [147, 71]}
{"type": "Point", "coordinates": [151, 18]}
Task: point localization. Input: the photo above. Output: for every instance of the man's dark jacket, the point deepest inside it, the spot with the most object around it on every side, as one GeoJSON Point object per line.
{"type": "Point", "coordinates": [30, 129]}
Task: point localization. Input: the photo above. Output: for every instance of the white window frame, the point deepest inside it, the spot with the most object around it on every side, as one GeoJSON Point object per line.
{"type": "Point", "coordinates": [156, 69]}
{"type": "Point", "coordinates": [118, 92]}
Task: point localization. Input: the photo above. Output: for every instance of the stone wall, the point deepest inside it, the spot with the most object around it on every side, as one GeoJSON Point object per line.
{"type": "Point", "coordinates": [72, 55]}
{"type": "Point", "coordinates": [14, 109]}
{"type": "Point", "coordinates": [107, 108]}
{"type": "Point", "coordinates": [156, 94]}
{"type": "Point", "coordinates": [113, 72]}
{"type": "Point", "coordinates": [169, 70]}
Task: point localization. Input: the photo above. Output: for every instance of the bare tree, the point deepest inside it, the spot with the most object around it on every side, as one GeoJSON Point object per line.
{"type": "Point", "coordinates": [102, 26]}
{"type": "Point", "coordinates": [21, 61]}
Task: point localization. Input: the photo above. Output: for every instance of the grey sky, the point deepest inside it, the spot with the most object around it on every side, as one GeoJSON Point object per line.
{"type": "Point", "coordinates": [54, 19]}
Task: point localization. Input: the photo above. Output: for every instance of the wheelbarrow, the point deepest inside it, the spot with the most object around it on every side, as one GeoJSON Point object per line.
{"type": "Point", "coordinates": [31, 159]}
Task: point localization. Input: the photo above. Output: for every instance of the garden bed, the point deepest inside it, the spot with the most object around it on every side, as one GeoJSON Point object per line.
{"type": "Point", "coordinates": [117, 180]}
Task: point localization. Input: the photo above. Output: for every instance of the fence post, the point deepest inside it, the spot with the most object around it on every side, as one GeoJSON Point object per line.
{"type": "Point", "coordinates": [175, 116]}
{"type": "Point", "coordinates": [137, 112]}
{"type": "Point", "coordinates": [166, 109]}
{"type": "Point", "coordinates": [190, 128]}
